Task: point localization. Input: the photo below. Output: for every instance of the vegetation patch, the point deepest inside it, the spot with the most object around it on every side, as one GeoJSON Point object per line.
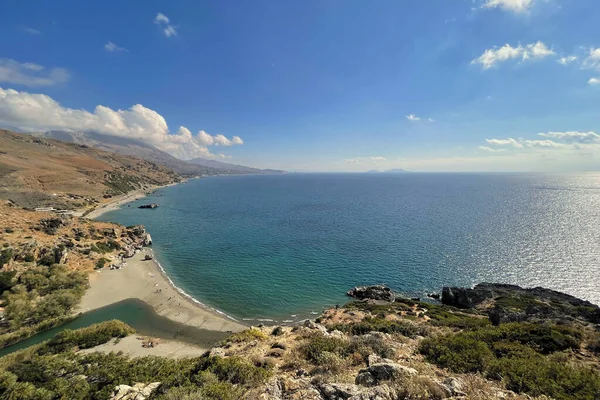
{"type": "Point", "coordinates": [522, 355]}
{"type": "Point", "coordinates": [246, 336]}
{"type": "Point", "coordinates": [377, 324]}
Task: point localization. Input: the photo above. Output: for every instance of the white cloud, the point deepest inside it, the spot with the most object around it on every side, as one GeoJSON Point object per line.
{"type": "Point", "coordinates": [594, 81]}
{"type": "Point", "coordinates": [430, 119]}
{"type": "Point", "coordinates": [373, 160]}
{"type": "Point", "coordinates": [412, 117]}
{"type": "Point", "coordinates": [490, 150]}
{"type": "Point", "coordinates": [573, 136]}
{"type": "Point", "coordinates": [496, 55]}
{"type": "Point", "coordinates": [592, 61]}
{"type": "Point", "coordinates": [29, 74]}
{"type": "Point", "coordinates": [163, 21]}
{"type": "Point", "coordinates": [567, 60]}
{"type": "Point", "coordinates": [31, 112]}
{"type": "Point", "coordinates": [541, 143]}
{"type": "Point", "coordinates": [110, 46]}
{"type": "Point", "coordinates": [504, 142]}
{"type": "Point", "coordinates": [31, 31]}
{"type": "Point", "coordinates": [517, 6]}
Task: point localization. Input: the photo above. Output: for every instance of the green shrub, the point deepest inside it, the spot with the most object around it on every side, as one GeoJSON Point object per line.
{"type": "Point", "coordinates": [9, 230]}
{"type": "Point", "coordinates": [6, 256]}
{"type": "Point", "coordinates": [246, 336]}
{"type": "Point", "coordinates": [458, 353]}
{"type": "Point", "coordinates": [183, 393]}
{"type": "Point", "coordinates": [315, 346]}
{"type": "Point", "coordinates": [369, 344]}
{"type": "Point", "coordinates": [593, 345]}
{"type": "Point", "coordinates": [88, 337]}
{"type": "Point", "coordinates": [378, 324]}
{"type": "Point", "coordinates": [543, 338]}
{"type": "Point", "coordinates": [538, 375]}
{"type": "Point", "coordinates": [443, 316]}
{"type": "Point", "coordinates": [101, 263]}
{"type": "Point", "coordinates": [236, 370]}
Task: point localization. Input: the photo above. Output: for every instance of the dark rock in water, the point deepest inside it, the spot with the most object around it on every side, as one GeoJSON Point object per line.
{"type": "Point", "coordinates": [511, 303]}
{"type": "Point", "coordinates": [151, 205]}
{"type": "Point", "coordinates": [375, 292]}
{"type": "Point", "coordinates": [435, 296]}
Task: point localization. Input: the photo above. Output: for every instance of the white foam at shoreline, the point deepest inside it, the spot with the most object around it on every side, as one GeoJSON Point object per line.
{"type": "Point", "coordinates": [183, 293]}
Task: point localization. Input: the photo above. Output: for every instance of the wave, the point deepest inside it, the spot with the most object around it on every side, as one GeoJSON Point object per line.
{"type": "Point", "coordinates": [189, 297]}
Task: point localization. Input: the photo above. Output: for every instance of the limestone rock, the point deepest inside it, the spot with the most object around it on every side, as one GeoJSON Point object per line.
{"type": "Point", "coordinates": [338, 391]}
{"type": "Point", "coordinates": [139, 391]}
{"type": "Point", "coordinates": [147, 241]}
{"type": "Point", "coordinates": [382, 371]}
{"type": "Point", "coordinates": [365, 379]}
{"type": "Point", "coordinates": [375, 292]}
{"type": "Point", "coordinates": [455, 386]}
{"type": "Point", "coordinates": [383, 392]}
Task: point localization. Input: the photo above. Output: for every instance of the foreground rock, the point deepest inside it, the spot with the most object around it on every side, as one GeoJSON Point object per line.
{"type": "Point", "coordinates": [139, 391]}
{"type": "Point", "coordinates": [511, 303]}
{"type": "Point", "coordinates": [374, 292]}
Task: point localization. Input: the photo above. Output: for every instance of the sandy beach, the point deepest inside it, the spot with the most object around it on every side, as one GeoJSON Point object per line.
{"type": "Point", "coordinates": [145, 281]}
{"type": "Point", "coordinates": [132, 345]}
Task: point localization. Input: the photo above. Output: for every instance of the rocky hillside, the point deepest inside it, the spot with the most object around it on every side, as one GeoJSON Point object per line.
{"type": "Point", "coordinates": [30, 238]}
{"type": "Point", "coordinates": [45, 260]}
{"type": "Point", "coordinates": [373, 349]}
{"type": "Point", "coordinates": [37, 172]}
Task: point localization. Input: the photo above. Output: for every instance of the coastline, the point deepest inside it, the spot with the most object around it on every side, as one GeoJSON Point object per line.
{"type": "Point", "coordinates": [147, 281]}
{"type": "Point", "coordinates": [117, 202]}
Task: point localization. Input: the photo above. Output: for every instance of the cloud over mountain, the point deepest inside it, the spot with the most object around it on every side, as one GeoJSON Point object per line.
{"type": "Point", "coordinates": [30, 112]}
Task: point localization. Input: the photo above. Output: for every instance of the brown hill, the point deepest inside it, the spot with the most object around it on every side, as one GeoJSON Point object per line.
{"type": "Point", "coordinates": [38, 172]}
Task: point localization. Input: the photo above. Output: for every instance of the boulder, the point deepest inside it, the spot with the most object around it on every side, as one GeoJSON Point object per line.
{"type": "Point", "coordinates": [382, 371]}
{"type": "Point", "coordinates": [383, 392]}
{"type": "Point", "coordinates": [139, 391]}
{"type": "Point", "coordinates": [510, 303]}
{"type": "Point", "coordinates": [374, 292]}
{"type": "Point", "coordinates": [455, 386]}
{"type": "Point", "coordinates": [338, 391]}
{"type": "Point", "coordinates": [147, 241]}
{"type": "Point", "coordinates": [365, 379]}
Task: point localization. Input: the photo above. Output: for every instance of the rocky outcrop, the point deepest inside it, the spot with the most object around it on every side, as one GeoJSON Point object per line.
{"type": "Point", "coordinates": [382, 369]}
{"type": "Point", "coordinates": [374, 292]}
{"type": "Point", "coordinates": [511, 303]}
{"type": "Point", "coordinates": [51, 225]}
{"type": "Point", "coordinates": [139, 391]}
{"type": "Point", "coordinates": [151, 205]}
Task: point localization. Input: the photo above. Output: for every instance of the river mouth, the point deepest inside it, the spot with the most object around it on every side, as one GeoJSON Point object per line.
{"type": "Point", "coordinates": [136, 314]}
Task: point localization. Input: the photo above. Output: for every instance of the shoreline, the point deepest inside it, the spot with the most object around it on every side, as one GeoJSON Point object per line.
{"type": "Point", "coordinates": [117, 202]}
{"type": "Point", "coordinates": [147, 281]}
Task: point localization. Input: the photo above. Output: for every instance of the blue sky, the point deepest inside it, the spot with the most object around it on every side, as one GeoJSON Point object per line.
{"type": "Point", "coordinates": [425, 85]}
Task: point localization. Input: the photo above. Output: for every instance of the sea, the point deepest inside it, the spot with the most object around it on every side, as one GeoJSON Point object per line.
{"type": "Point", "coordinates": [281, 248]}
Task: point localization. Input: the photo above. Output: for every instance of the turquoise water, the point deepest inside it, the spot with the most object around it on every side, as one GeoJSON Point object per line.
{"type": "Point", "coordinates": [284, 246]}
{"type": "Point", "coordinates": [138, 315]}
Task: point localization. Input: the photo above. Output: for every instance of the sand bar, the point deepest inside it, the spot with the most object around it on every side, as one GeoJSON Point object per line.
{"type": "Point", "coordinates": [145, 281]}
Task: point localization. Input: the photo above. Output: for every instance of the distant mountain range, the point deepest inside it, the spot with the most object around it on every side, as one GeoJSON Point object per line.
{"type": "Point", "coordinates": [139, 149]}
{"type": "Point", "coordinates": [389, 171]}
